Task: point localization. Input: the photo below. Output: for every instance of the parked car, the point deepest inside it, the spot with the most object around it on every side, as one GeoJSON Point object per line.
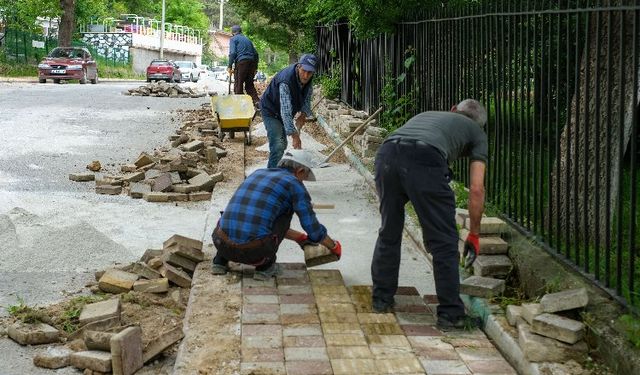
{"type": "Point", "coordinates": [204, 70]}
{"type": "Point", "coordinates": [163, 70]}
{"type": "Point", "coordinates": [260, 77]}
{"type": "Point", "coordinates": [68, 63]}
{"type": "Point", "coordinates": [189, 70]}
{"type": "Point", "coordinates": [224, 76]}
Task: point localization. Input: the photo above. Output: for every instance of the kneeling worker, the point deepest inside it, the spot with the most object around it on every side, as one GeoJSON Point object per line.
{"type": "Point", "coordinates": [259, 214]}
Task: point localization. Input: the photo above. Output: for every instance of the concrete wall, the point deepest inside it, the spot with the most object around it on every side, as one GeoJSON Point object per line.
{"type": "Point", "coordinates": [141, 58]}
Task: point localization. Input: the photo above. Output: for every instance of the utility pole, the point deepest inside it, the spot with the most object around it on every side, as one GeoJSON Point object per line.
{"type": "Point", "coordinates": [162, 32]}
{"type": "Point", "coordinates": [221, 13]}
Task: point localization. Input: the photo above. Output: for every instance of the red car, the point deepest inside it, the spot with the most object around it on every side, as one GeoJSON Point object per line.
{"type": "Point", "coordinates": [68, 63]}
{"type": "Point", "coordinates": [165, 70]}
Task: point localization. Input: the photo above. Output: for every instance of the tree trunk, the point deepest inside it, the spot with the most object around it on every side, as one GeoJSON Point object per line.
{"type": "Point", "coordinates": [598, 133]}
{"type": "Point", "coordinates": [67, 23]}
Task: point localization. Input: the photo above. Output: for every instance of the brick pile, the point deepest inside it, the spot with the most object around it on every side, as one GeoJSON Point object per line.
{"type": "Point", "coordinates": [185, 170]}
{"type": "Point", "coordinates": [163, 89]}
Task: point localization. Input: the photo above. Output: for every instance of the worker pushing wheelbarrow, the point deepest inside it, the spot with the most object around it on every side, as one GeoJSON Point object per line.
{"type": "Point", "coordinates": [234, 113]}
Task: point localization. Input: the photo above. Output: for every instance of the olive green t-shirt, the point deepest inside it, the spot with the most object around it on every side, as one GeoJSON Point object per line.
{"type": "Point", "coordinates": [454, 134]}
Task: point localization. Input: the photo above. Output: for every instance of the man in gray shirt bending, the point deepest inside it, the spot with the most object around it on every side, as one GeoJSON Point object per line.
{"type": "Point", "coordinates": [413, 165]}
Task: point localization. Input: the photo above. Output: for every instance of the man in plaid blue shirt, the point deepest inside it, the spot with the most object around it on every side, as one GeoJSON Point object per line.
{"type": "Point", "coordinates": [259, 214]}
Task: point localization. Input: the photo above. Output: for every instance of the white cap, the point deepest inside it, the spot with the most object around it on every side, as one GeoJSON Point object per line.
{"type": "Point", "coordinates": [303, 158]}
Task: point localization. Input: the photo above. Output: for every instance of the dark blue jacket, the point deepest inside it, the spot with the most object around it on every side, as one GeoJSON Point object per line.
{"type": "Point", "coordinates": [241, 48]}
{"type": "Point", "coordinates": [270, 101]}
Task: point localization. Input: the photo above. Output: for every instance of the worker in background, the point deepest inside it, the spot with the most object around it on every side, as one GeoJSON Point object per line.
{"type": "Point", "coordinates": [244, 56]}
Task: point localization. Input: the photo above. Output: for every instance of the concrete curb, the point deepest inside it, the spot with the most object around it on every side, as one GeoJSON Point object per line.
{"type": "Point", "coordinates": [477, 306]}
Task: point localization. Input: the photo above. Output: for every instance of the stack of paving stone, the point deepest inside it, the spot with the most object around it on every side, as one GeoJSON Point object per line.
{"type": "Point", "coordinates": [492, 265]}
{"type": "Point", "coordinates": [184, 171]}
{"type": "Point", "coordinates": [545, 333]}
{"type": "Point", "coordinates": [163, 89]}
{"type": "Point", "coordinates": [175, 264]}
{"type": "Point", "coordinates": [103, 344]}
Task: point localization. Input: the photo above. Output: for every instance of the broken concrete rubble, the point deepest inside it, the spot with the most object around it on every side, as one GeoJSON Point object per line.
{"type": "Point", "coordinates": [163, 89]}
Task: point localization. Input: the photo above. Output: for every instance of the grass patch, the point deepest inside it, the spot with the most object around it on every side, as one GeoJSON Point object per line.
{"type": "Point", "coordinates": [27, 314]}
{"type": "Point", "coordinates": [68, 320]}
{"type": "Point", "coordinates": [630, 327]}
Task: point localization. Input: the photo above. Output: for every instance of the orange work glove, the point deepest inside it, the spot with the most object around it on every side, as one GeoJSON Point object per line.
{"type": "Point", "coordinates": [337, 249]}
{"type": "Point", "coordinates": [471, 250]}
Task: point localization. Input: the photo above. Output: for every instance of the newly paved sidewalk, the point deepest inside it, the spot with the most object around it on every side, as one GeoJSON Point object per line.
{"type": "Point", "coordinates": [307, 322]}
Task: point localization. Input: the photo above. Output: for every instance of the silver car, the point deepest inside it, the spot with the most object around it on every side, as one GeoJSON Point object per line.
{"type": "Point", "coordinates": [189, 70]}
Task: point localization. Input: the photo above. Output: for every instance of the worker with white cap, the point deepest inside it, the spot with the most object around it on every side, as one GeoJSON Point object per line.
{"type": "Point", "coordinates": [259, 214]}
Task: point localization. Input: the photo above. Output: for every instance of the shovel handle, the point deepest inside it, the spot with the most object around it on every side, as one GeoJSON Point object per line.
{"type": "Point", "coordinates": [365, 123]}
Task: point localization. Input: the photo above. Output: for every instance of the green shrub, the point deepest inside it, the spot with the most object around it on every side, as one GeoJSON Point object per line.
{"type": "Point", "coordinates": [331, 83]}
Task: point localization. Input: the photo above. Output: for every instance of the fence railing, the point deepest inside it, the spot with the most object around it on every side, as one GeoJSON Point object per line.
{"type": "Point", "coordinates": [561, 83]}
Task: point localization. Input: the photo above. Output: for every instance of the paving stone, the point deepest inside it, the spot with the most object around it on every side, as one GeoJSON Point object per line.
{"type": "Point", "coordinates": [360, 289]}
{"type": "Point", "coordinates": [530, 311]}
{"type": "Point", "coordinates": [162, 342]}
{"type": "Point", "coordinates": [302, 330]}
{"type": "Point", "coordinates": [492, 265]}
{"type": "Point", "coordinates": [308, 368]}
{"type": "Point", "coordinates": [311, 318]}
{"type": "Point", "coordinates": [261, 330]}
{"type": "Point", "coordinates": [156, 197]}
{"type": "Point", "coordinates": [329, 289]}
{"type": "Point", "coordinates": [392, 341]}
{"type": "Point", "coordinates": [250, 282]}
{"type": "Point", "coordinates": [91, 359]}
{"type": "Point", "coordinates": [336, 307]}
{"type": "Point", "coordinates": [152, 286]}
{"type": "Point", "coordinates": [303, 342]}
{"type": "Point", "coordinates": [97, 340]}
{"type": "Point", "coordinates": [347, 352]}
{"type": "Point", "coordinates": [150, 254]}
{"type": "Point", "coordinates": [142, 160]}
{"type": "Point", "coordinates": [294, 289]}
{"type": "Point", "coordinates": [203, 181]}
{"type": "Point", "coordinates": [408, 300]}
{"type": "Point", "coordinates": [267, 318]}
{"type": "Point", "coordinates": [100, 310]}
{"type": "Point", "coordinates": [293, 266]}
{"type": "Point", "coordinates": [333, 317]}
{"type": "Point", "coordinates": [438, 367]}
{"type": "Point", "coordinates": [326, 281]}
{"type": "Point", "coordinates": [187, 252]}
{"type": "Point", "coordinates": [351, 366]}
{"type": "Point", "coordinates": [177, 239]}
{"type": "Point", "coordinates": [292, 274]}
{"type": "Point", "coordinates": [382, 329]}
{"type": "Point", "coordinates": [404, 318]}
{"type": "Point", "coordinates": [345, 339]}
{"type": "Point", "coordinates": [197, 196]}
{"type": "Point", "coordinates": [305, 354]}
{"type": "Point", "coordinates": [260, 308]}
{"type": "Point", "coordinates": [262, 355]}
{"type": "Point", "coordinates": [297, 299]}
{"type": "Point", "coordinates": [367, 318]}
{"type": "Point", "coordinates": [398, 366]}
{"type": "Point", "coordinates": [478, 354]}
{"type": "Point", "coordinates": [143, 270]}
{"type": "Point", "coordinates": [490, 225]}
{"type": "Point", "coordinates": [341, 328]}
{"type": "Point", "coordinates": [412, 309]}
{"type": "Point", "coordinates": [558, 327]}
{"type": "Point", "coordinates": [179, 261]}
{"type": "Point", "coordinates": [260, 298]}
{"type": "Point", "coordinates": [480, 342]}
{"type": "Point", "coordinates": [82, 177]}
{"type": "Point", "coordinates": [298, 308]}
{"type": "Point", "coordinates": [322, 299]}
{"type": "Point", "coordinates": [126, 351]}
{"type": "Point", "coordinates": [489, 245]}
{"type": "Point", "coordinates": [420, 330]}
{"type": "Point", "coordinates": [53, 357]}
{"type": "Point", "coordinates": [193, 146]}
{"type": "Point", "coordinates": [430, 299]}
{"type": "Point", "coordinates": [294, 281]}
{"type": "Point", "coordinates": [491, 367]}
{"type": "Point", "coordinates": [407, 291]}
{"type": "Point", "coordinates": [185, 188]}
{"type": "Point", "coordinates": [538, 348]}
{"type": "Point", "coordinates": [483, 287]}
{"type": "Point", "coordinates": [263, 290]}
{"type": "Point", "coordinates": [514, 313]}
{"type": "Point", "coordinates": [382, 352]}
{"type": "Point", "coordinates": [261, 341]}
{"type": "Point", "coordinates": [565, 300]}
{"type": "Point", "coordinates": [33, 334]}
{"type": "Point", "coordinates": [257, 368]}
{"type": "Point", "coordinates": [108, 189]}
{"type": "Point", "coordinates": [176, 276]}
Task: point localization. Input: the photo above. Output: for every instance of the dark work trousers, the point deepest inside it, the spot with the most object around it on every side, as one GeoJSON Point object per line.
{"type": "Point", "coordinates": [260, 252]}
{"type": "Point", "coordinates": [417, 172]}
{"type": "Point", "coordinates": [244, 72]}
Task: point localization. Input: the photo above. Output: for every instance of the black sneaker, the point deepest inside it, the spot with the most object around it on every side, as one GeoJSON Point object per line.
{"type": "Point", "coordinates": [463, 322]}
{"type": "Point", "coordinates": [382, 307]}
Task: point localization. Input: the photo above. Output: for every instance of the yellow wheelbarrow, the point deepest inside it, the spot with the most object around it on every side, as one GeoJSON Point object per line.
{"type": "Point", "coordinates": [234, 114]}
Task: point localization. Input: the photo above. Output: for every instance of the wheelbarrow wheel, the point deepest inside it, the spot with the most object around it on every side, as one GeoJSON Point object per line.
{"type": "Point", "coordinates": [221, 135]}
{"type": "Point", "coordinates": [232, 135]}
{"type": "Point", "coordinates": [247, 138]}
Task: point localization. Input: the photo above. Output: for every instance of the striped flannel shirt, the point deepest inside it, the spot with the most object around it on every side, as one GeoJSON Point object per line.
{"type": "Point", "coordinates": [285, 108]}
{"type": "Point", "coordinates": [264, 196]}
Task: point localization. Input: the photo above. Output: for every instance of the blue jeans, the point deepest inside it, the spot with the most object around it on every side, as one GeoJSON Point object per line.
{"type": "Point", "coordinates": [277, 140]}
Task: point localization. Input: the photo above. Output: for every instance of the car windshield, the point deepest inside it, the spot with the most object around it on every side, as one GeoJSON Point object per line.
{"type": "Point", "coordinates": [183, 64]}
{"type": "Point", "coordinates": [160, 63]}
{"type": "Point", "coordinates": [67, 53]}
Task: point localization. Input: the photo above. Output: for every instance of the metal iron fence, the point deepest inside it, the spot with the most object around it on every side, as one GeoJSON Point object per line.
{"type": "Point", "coordinates": [561, 82]}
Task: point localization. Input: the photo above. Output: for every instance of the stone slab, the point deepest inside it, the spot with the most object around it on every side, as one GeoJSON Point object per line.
{"type": "Point", "coordinates": [530, 311]}
{"type": "Point", "coordinates": [558, 327]}
{"type": "Point", "coordinates": [183, 241]}
{"type": "Point", "coordinates": [143, 270]}
{"type": "Point", "coordinates": [108, 189]}
{"type": "Point", "coordinates": [565, 300]}
{"type": "Point", "coordinates": [162, 342]}
{"type": "Point", "coordinates": [82, 177]}
{"type": "Point", "coordinates": [157, 197]}
{"type": "Point", "coordinates": [176, 276]}
{"type": "Point", "coordinates": [484, 287]}
{"type": "Point", "coordinates": [91, 359]}
{"type": "Point", "coordinates": [179, 261]}
{"type": "Point", "coordinates": [100, 310]}
{"type": "Point", "coordinates": [538, 348]}
{"type": "Point", "coordinates": [97, 340]}
{"type": "Point", "coordinates": [160, 285]}
{"type": "Point", "coordinates": [126, 351]}
{"type": "Point", "coordinates": [514, 314]}
{"type": "Point", "coordinates": [492, 265]}
{"type": "Point", "coordinates": [188, 252]}
{"type": "Point", "coordinates": [53, 357]}
{"type": "Point", "coordinates": [138, 190]}
{"type": "Point", "coordinates": [33, 334]}
{"type": "Point", "coordinates": [117, 281]}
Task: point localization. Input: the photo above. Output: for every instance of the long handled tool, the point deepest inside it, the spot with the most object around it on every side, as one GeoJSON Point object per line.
{"type": "Point", "coordinates": [365, 123]}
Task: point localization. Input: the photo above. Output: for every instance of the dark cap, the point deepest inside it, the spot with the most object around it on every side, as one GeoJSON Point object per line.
{"type": "Point", "coordinates": [235, 29]}
{"type": "Point", "coordinates": [308, 62]}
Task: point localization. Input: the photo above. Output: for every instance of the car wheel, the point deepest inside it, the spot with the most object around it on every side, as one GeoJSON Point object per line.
{"type": "Point", "coordinates": [56, 80]}
{"type": "Point", "coordinates": [83, 80]}
{"type": "Point", "coordinates": [42, 80]}
{"type": "Point", "coordinates": [95, 79]}
{"type": "Point", "coordinates": [179, 79]}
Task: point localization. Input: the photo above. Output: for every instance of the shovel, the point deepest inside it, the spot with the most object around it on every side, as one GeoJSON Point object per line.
{"type": "Point", "coordinates": [362, 126]}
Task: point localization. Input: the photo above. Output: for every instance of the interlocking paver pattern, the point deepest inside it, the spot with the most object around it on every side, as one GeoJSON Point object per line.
{"type": "Point", "coordinates": [308, 322]}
